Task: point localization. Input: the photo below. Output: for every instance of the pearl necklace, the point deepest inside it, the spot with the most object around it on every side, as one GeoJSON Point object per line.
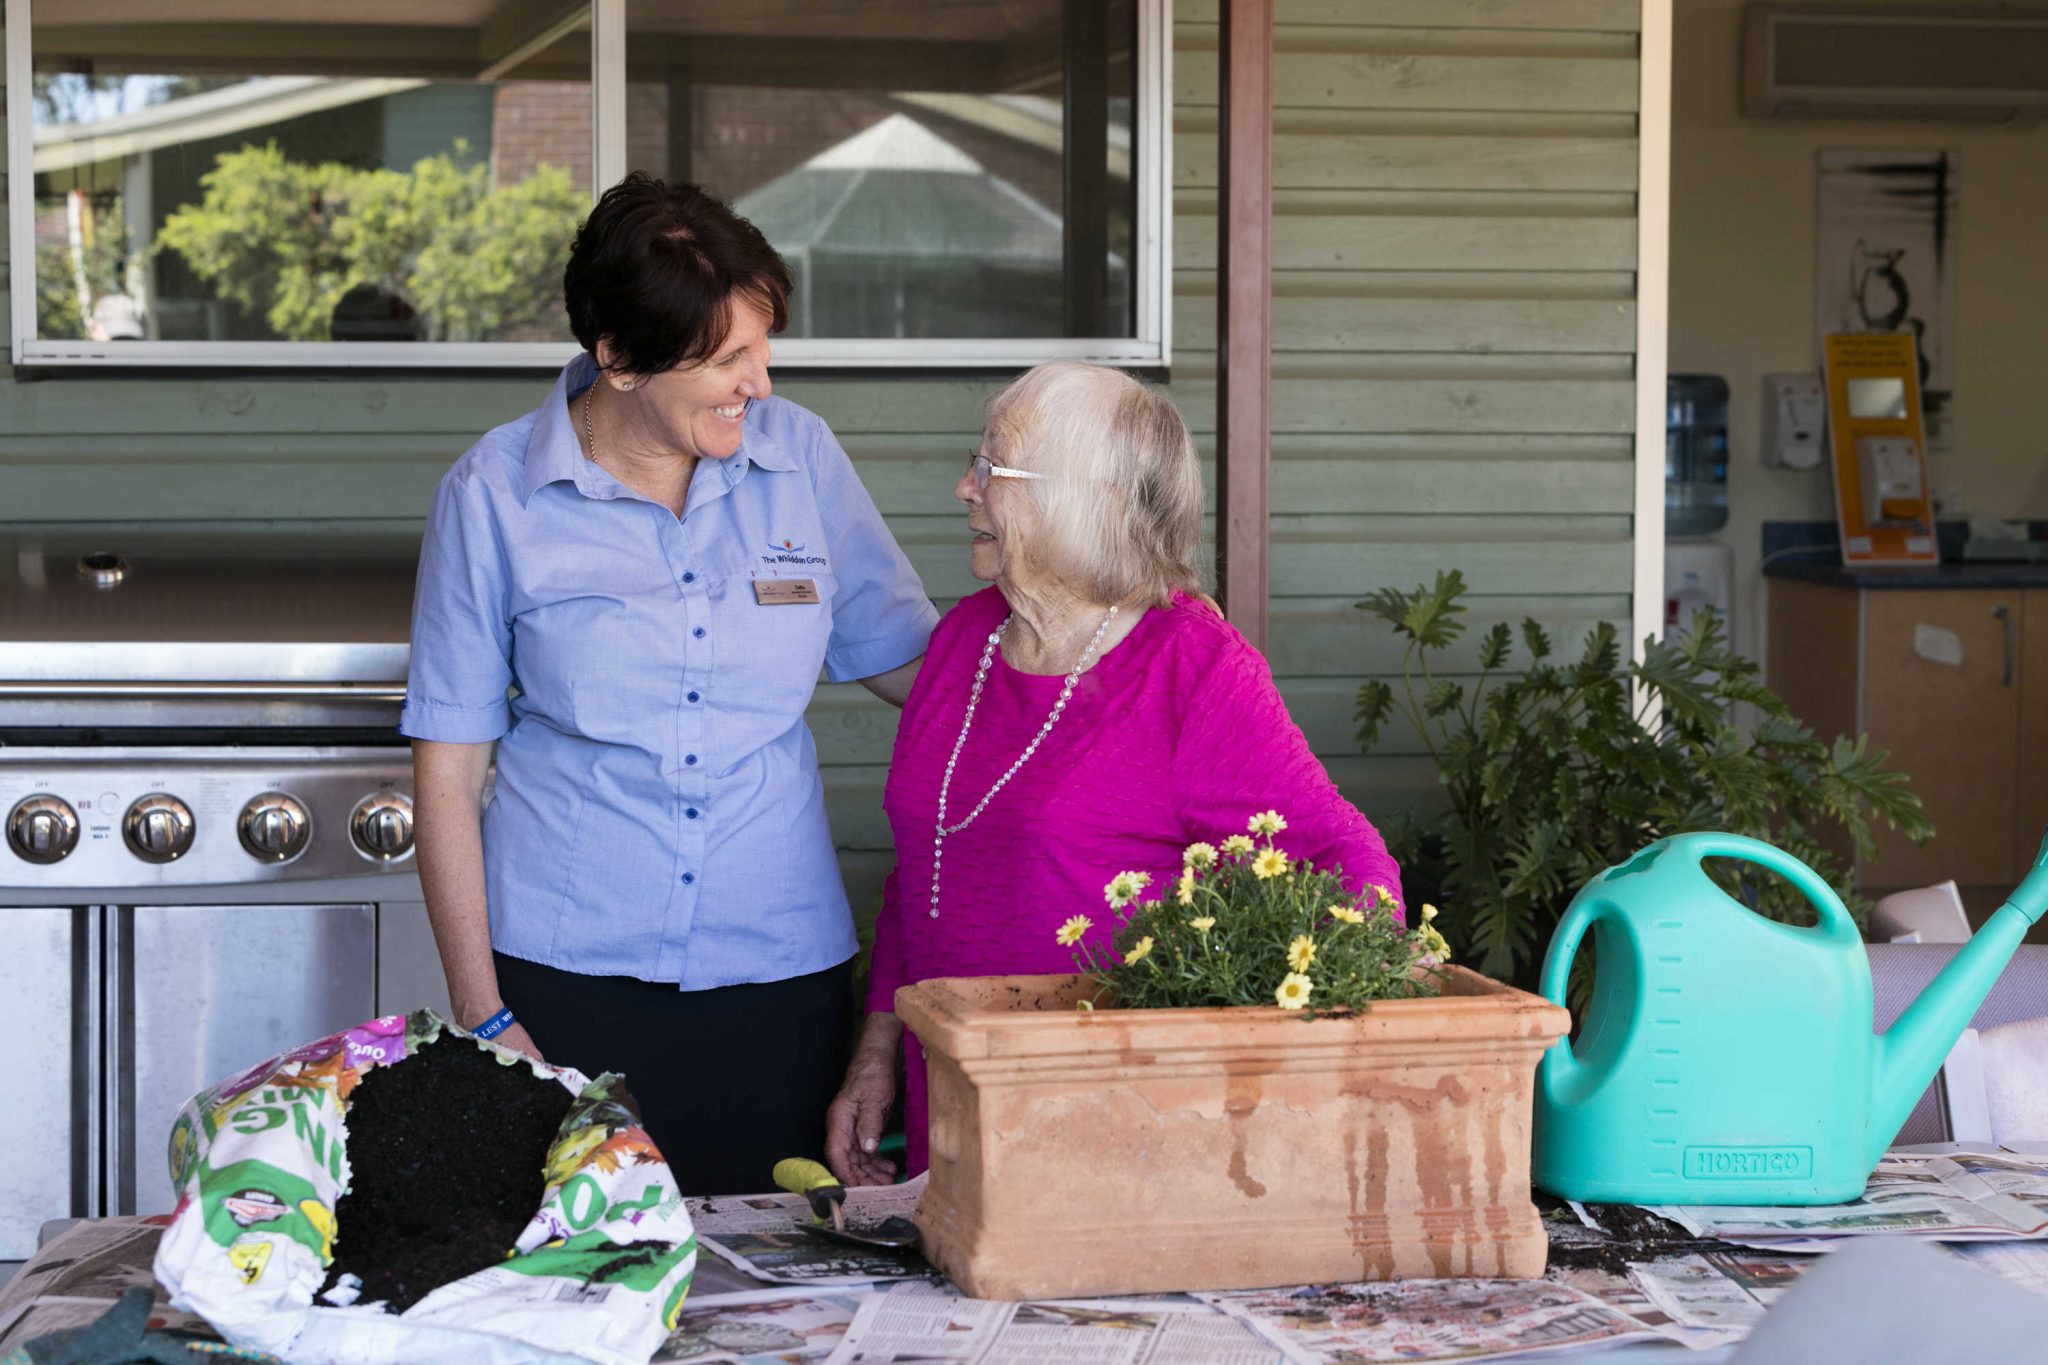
{"type": "Point", "coordinates": [988, 654]}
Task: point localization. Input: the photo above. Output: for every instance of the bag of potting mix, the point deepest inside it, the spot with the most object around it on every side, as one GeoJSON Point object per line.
{"type": "Point", "coordinates": [472, 1205]}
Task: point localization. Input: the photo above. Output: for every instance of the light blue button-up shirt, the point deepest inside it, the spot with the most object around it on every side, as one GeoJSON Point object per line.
{"type": "Point", "coordinates": [658, 811]}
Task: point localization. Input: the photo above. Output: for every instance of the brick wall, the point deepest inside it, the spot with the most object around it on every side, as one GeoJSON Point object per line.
{"type": "Point", "coordinates": [540, 121]}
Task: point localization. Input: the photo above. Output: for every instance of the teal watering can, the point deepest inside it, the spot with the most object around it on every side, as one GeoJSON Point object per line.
{"type": "Point", "coordinates": [1730, 1059]}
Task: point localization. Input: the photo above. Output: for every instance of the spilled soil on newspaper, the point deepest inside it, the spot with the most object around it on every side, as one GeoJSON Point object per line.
{"type": "Point", "coordinates": [446, 1150]}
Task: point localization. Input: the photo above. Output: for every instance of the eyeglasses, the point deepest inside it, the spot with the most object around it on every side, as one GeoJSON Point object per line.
{"type": "Point", "coordinates": [985, 469]}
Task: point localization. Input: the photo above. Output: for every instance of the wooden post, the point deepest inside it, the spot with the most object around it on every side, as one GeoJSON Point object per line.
{"type": "Point", "coordinates": [1244, 308]}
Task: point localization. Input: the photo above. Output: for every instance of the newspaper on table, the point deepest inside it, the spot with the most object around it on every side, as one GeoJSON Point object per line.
{"type": "Point", "coordinates": [1418, 1320]}
{"type": "Point", "coordinates": [76, 1278]}
{"type": "Point", "coordinates": [930, 1325]}
{"type": "Point", "coordinates": [1717, 1296]}
{"type": "Point", "coordinates": [2023, 1263]}
{"type": "Point", "coordinates": [763, 1235]}
{"type": "Point", "coordinates": [1965, 1197]}
{"type": "Point", "coordinates": [761, 1327]}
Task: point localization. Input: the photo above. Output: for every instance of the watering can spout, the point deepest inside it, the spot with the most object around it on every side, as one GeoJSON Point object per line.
{"type": "Point", "coordinates": [1909, 1054]}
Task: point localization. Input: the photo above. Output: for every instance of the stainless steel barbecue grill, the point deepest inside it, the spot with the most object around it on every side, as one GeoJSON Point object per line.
{"type": "Point", "coordinates": [207, 851]}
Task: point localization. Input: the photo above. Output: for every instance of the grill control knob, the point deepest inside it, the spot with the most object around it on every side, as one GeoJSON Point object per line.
{"type": "Point", "coordinates": [381, 826]}
{"type": "Point", "coordinates": [274, 827]}
{"type": "Point", "coordinates": [159, 828]}
{"type": "Point", "coordinates": [42, 828]}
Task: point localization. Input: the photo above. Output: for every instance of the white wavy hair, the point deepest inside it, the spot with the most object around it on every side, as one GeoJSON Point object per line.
{"type": "Point", "coordinates": [1119, 514]}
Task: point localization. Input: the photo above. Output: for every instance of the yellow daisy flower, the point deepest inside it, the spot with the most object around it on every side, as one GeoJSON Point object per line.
{"type": "Point", "coordinates": [1382, 898]}
{"type": "Point", "coordinates": [1199, 856]}
{"type": "Point", "coordinates": [1124, 887]}
{"type": "Point", "coordinates": [1345, 914]}
{"type": "Point", "coordinates": [1301, 952]}
{"type": "Point", "coordinates": [1202, 924]}
{"type": "Point", "coordinates": [1270, 863]}
{"type": "Point", "coordinates": [1238, 844]}
{"type": "Point", "coordinates": [1434, 944]}
{"type": "Point", "coordinates": [1268, 823]}
{"type": "Point", "coordinates": [1138, 950]}
{"type": "Point", "coordinates": [1185, 892]}
{"type": "Point", "coordinates": [1428, 913]}
{"type": "Point", "coordinates": [1293, 992]}
{"type": "Point", "coordinates": [1070, 933]}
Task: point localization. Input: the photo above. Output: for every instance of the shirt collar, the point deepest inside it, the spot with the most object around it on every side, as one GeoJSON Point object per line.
{"type": "Point", "coordinates": [553, 454]}
{"type": "Point", "coordinates": [552, 451]}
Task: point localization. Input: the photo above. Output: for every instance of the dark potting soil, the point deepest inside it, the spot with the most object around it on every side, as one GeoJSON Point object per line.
{"type": "Point", "coordinates": [446, 1150]}
{"type": "Point", "coordinates": [1626, 1234]}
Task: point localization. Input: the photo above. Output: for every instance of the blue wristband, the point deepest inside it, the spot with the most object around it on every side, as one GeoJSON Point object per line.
{"type": "Point", "coordinates": [493, 1026]}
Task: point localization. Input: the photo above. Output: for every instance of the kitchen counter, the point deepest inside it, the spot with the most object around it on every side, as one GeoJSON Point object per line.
{"type": "Point", "coordinates": [1979, 574]}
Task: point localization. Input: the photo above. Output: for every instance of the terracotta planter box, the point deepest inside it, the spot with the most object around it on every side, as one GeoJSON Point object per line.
{"type": "Point", "coordinates": [1133, 1151]}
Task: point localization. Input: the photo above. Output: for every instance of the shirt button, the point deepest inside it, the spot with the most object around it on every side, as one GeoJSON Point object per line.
{"type": "Point", "coordinates": [690, 759]}
{"type": "Point", "coordinates": [698, 632]}
{"type": "Point", "coordinates": [690, 814]}
{"type": "Point", "coordinates": [693, 696]}
{"type": "Point", "coordinates": [689, 577]}
{"type": "Point", "coordinates": [689, 877]}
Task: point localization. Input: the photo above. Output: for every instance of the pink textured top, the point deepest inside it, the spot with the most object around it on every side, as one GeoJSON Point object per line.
{"type": "Point", "coordinates": [1177, 734]}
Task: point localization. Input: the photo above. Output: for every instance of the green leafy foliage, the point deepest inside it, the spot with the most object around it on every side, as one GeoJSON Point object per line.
{"type": "Point", "coordinates": [1558, 772]}
{"type": "Point", "coordinates": [286, 240]}
{"type": "Point", "coordinates": [58, 313]}
{"type": "Point", "coordinates": [1246, 925]}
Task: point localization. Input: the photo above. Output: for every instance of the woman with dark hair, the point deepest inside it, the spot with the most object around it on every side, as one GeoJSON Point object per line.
{"type": "Point", "coordinates": [655, 564]}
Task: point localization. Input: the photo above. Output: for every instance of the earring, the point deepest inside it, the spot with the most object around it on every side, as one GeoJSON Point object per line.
{"type": "Point", "coordinates": [625, 386]}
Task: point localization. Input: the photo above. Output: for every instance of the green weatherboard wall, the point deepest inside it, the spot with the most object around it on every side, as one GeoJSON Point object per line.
{"type": "Point", "coordinates": [1454, 315]}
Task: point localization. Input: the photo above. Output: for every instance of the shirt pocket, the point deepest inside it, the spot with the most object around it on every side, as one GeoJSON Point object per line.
{"type": "Point", "coordinates": [785, 640]}
{"type": "Point", "coordinates": [595, 651]}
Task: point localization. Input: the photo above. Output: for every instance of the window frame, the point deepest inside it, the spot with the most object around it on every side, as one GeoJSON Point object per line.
{"type": "Point", "coordinates": [1153, 237]}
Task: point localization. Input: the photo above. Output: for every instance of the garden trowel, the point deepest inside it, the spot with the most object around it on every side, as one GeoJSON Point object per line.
{"type": "Point", "coordinates": [800, 1175]}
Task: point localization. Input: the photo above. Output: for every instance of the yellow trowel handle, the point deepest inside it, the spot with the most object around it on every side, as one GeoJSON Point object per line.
{"type": "Point", "coordinates": [801, 1175]}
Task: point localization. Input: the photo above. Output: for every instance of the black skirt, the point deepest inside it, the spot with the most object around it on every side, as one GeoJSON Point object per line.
{"type": "Point", "coordinates": [729, 1081]}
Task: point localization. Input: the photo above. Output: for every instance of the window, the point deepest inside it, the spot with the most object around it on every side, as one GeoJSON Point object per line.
{"type": "Point", "coordinates": [284, 182]}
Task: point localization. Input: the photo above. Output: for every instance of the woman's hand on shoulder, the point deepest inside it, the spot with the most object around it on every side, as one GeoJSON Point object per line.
{"type": "Point", "coordinates": [854, 1122]}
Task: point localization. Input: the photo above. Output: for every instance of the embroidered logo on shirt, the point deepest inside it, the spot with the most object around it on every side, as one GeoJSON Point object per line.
{"type": "Point", "coordinates": [789, 552]}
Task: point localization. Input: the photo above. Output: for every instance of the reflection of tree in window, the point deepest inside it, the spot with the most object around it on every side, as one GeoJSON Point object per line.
{"type": "Point", "coordinates": [436, 247]}
{"type": "Point", "coordinates": [248, 207]}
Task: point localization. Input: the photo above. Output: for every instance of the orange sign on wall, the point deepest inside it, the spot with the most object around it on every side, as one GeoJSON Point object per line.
{"type": "Point", "coordinates": [1874, 426]}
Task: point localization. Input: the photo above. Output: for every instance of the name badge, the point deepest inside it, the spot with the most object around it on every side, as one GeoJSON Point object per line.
{"type": "Point", "coordinates": [785, 592]}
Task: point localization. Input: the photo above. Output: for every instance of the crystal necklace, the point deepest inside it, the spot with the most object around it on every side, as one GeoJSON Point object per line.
{"type": "Point", "coordinates": [988, 654]}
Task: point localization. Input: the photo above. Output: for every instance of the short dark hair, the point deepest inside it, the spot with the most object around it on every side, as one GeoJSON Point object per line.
{"type": "Point", "coordinates": [655, 269]}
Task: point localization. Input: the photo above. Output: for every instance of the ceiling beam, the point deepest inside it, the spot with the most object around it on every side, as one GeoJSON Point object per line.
{"type": "Point", "coordinates": [519, 31]}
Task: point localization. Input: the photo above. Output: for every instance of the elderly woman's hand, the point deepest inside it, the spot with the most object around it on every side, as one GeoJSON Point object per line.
{"type": "Point", "coordinates": [853, 1125]}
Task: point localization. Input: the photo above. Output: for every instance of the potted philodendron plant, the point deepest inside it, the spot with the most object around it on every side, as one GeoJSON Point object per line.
{"type": "Point", "coordinates": [1555, 770]}
{"type": "Point", "coordinates": [1263, 1079]}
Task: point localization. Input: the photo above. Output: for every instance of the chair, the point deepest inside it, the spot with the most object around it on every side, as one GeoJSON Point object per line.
{"type": "Point", "coordinates": [1956, 1103]}
{"type": "Point", "coordinates": [1925, 914]}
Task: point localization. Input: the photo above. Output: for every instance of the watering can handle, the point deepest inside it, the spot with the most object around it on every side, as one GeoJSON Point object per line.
{"type": "Point", "coordinates": [1835, 920]}
{"type": "Point", "coordinates": [1560, 1064]}
{"type": "Point", "coordinates": [1564, 946]}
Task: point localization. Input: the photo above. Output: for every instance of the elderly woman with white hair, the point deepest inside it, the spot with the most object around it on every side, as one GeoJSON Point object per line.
{"type": "Point", "coordinates": [1090, 712]}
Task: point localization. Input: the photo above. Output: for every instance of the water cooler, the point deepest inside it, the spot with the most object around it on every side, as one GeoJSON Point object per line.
{"type": "Point", "coordinates": [1697, 572]}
